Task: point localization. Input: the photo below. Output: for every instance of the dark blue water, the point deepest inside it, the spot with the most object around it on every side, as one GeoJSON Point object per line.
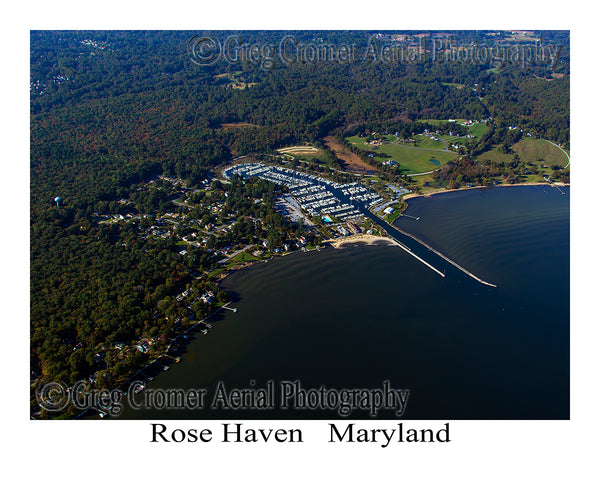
{"type": "Point", "coordinates": [354, 317]}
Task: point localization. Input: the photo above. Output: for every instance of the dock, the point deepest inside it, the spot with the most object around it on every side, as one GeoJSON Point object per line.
{"type": "Point", "coordinates": [553, 184]}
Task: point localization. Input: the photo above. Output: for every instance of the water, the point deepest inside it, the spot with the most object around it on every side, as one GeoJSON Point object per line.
{"type": "Point", "coordinates": [360, 315]}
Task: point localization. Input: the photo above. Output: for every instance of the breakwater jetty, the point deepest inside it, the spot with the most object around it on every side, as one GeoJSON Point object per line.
{"type": "Point", "coordinates": [402, 238]}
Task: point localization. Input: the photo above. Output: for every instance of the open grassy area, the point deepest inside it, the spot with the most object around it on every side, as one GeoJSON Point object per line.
{"type": "Point", "coordinates": [242, 257]}
{"type": "Point", "coordinates": [415, 160]}
{"type": "Point", "coordinates": [361, 143]}
{"type": "Point", "coordinates": [216, 273]}
{"type": "Point", "coordinates": [427, 183]}
{"type": "Point", "coordinates": [424, 142]}
{"type": "Point", "coordinates": [495, 156]}
{"type": "Point", "coordinates": [478, 129]}
{"type": "Point", "coordinates": [535, 150]}
{"type": "Point", "coordinates": [399, 208]}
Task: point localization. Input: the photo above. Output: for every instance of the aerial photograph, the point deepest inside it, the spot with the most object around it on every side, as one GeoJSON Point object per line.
{"type": "Point", "coordinates": [299, 225]}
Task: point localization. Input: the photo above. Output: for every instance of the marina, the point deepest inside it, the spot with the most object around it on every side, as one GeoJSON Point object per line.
{"type": "Point", "coordinates": [321, 197]}
{"type": "Point", "coordinates": [315, 195]}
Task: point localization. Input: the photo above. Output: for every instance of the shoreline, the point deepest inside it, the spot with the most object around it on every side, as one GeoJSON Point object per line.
{"type": "Point", "coordinates": [333, 242]}
{"type": "Point", "coordinates": [410, 196]}
{"type": "Point", "coordinates": [337, 243]}
{"type": "Point", "coordinates": [358, 238]}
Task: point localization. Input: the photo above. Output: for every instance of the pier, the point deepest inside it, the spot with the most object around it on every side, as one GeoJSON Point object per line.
{"type": "Point", "coordinates": [553, 184]}
{"type": "Point", "coordinates": [234, 310]}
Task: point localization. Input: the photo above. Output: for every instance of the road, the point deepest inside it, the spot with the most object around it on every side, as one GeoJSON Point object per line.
{"type": "Point", "coordinates": [566, 154]}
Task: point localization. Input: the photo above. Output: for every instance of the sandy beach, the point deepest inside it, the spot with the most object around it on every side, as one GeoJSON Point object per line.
{"type": "Point", "coordinates": [361, 237]}
{"type": "Point", "coordinates": [443, 190]}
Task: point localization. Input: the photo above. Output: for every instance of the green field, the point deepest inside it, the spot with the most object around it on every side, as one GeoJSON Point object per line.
{"type": "Point", "coordinates": [242, 257]}
{"type": "Point", "coordinates": [538, 151]}
{"type": "Point", "coordinates": [362, 144]}
{"type": "Point", "coordinates": [414, 159]}
{"type": "Point", "coordinates": [534, 150]}
{"type": "Point", "coordinates": [421, 141]}
{"type": "Point", "coordinates": [477, 129]}
{"type": "Point", "coordinates": [425, 142]}
{"type": "Point", "coordinates": [495, 156]}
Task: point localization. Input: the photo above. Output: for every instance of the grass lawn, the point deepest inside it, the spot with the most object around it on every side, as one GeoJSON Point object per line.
{"type": "Point", "coordinates": [424, 142]}
{"type": "Point", "coordinates": [242, 257]}
{"type": "Point", "coordinates": [234, 80]}
{"type": "Point", "coordinates": [534, 149]}
{"type": "Point", "coordinates": [529, 150]}
{"type": "Point", "coordinates": [495, 156]}
{"type": "Point", "coordinates": [478, 129]}
{"type": "Point", "coordinates": [415, 160]}
{"type": "Point", "coordinates": [412, 158]}
{"type": "Point", "coordinates": [360, 142]}
{"type": "Point", "coordinates": [428, 179]}
{"type": "Point", "coordinates": [399, 208]}
{"type": "Point", "coordinates": [215, 273]}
